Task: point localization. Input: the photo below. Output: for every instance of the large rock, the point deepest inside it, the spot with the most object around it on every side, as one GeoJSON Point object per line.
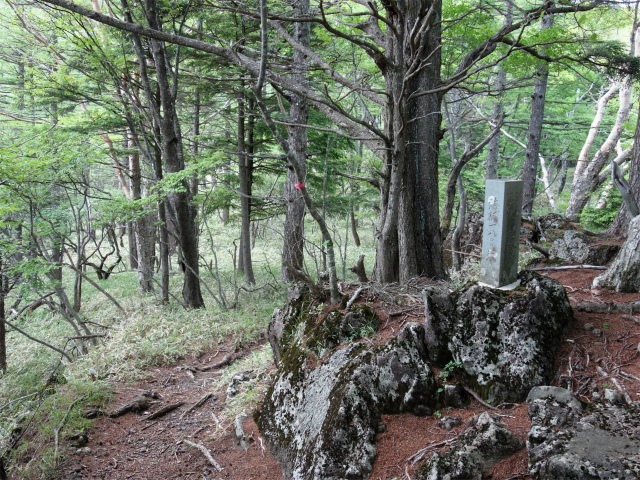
{"type": "Point", "coordinates": [572, 440]}
{"type": "Point", "coordinates": [320, 422]}
{"type": "Point", "coordinates": [477, 450]}
{"type": "Point", "coordinates": [506, 341]}
{"type": "Point", "coordinates": [579, 247]}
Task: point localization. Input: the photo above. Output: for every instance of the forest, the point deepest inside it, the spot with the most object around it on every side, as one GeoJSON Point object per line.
{"type": "Point", "coordinates": [168, 168]}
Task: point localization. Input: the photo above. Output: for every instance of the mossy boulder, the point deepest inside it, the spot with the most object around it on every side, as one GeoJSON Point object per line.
{"type": "Point", "coordinates": [320, 422]}
{"type": "Point", "coordinates": [506, 341]}
{"type": "Point", "coordinates": [303, 323]}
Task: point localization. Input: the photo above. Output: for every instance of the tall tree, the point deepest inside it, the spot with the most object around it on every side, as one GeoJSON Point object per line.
{"type": "Point", "coordinates": [534, 136]}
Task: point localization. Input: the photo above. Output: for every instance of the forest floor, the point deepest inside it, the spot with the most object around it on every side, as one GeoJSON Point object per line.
{"type": "Point", "coordinates": [132, 448]}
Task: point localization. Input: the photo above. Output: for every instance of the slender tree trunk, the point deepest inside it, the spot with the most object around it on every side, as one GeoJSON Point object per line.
{"type": "Point", "coordinates": [144, 226]}
{"type": "Point", "coordinates": [293, 248]}
{"type": "Point", "coordinates": [3, 331]}
{"type": "Point", "coordinates": [181, 209]}
{"type": "Point", "coordinates": [133, 246]}
{"type": "Point", "coordinates": [587, 182]}
{"type": "Point", "coordinates": [534, 136]}
{"type": "Point", "coordinates": [243, 178]}
{"type": "Point", "coordinates": [620, 225]}
{"type": "Point", "coordinates": [493, 149]}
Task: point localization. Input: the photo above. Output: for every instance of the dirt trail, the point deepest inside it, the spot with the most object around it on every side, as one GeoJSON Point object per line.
{"type": "Point", "coordinates": [132, 448]}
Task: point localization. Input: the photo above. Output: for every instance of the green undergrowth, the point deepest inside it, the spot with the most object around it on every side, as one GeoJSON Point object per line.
{"type": "Point", "coordinates": [37, 389]}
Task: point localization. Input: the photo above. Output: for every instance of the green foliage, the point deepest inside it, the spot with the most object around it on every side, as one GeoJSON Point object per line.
{"type": "Point", "coordinates": [600, 218]}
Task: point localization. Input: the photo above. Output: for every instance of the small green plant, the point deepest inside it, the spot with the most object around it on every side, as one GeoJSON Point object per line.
{"type": "Point", "coordinates": [605, 325]}
{"type": "Point", "coordinates": [438, 414]}
{"type": "Point", "coordinates": [606, 385]}
{"type": "Point", "coordinates": [448, 370]}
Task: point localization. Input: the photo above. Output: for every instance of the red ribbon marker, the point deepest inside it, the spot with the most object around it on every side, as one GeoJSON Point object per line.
{"type": "Point", "coordinates": [299, 186]}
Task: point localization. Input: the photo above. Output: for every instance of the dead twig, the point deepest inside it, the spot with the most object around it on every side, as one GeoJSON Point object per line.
{"type": "Point", "coordinates": [419, 455]}
{"type": "Point", "coordinates": [206, 453]}
{"type": "Point", "coordinates": [222, 363]}
{"type": "Point", "coordinates": [164, 410]}
{"type": "Point", "coordinates": [568, 267]}
{"type": "Point", "coordinates": [477, 397]}
{"type": "Point", "coordinates": [198, 404]}
{"type": "Point", "coordinates": [617, 384]}
{"type": "Point", "coordinates": [354, 297]}
{"type": "Point", "coordinates": [56, 431]}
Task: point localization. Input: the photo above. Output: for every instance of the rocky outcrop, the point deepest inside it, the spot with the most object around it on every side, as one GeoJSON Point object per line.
{"type": "Point", "coordinates": [477, 450]}
{"type": "Point", "coordinates": [506, 341]}
{"type": "Point", "coordinates": [578, 247]}
{"type": "Point", "coordinates": [320, 422]}
{"type": "Point", "coordinates": [570, 439]}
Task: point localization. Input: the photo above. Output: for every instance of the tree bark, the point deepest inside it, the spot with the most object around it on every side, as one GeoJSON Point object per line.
{"type": "Point", "coordinates": [3, 332]}
{"type": "Point", "coordinates": [534, 136]}
{"type": "Point", "coordinates": [243, 178]}
{"type": "Point", "coordinates": [620, 225]}
{"type": "Point", "coordinates": [144, 226]}
{"type": "Point", "coordinates": [182, 213]}
{"type": "Point", "coordinates": [293, 248]}
{"type": "Point", "coordinates": [624, 273]}
{"type": "Point", "coordinates": [493, 150]}
{"type": "Point", "coordinates": [587, 182]}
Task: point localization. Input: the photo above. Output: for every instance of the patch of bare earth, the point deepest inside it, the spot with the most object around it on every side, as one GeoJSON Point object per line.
{"type": "Point", "coordinates": [132, 448]}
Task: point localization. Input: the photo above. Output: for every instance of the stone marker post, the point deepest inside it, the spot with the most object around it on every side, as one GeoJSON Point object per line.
{"type": "Point", "coordinates": [501, 235]}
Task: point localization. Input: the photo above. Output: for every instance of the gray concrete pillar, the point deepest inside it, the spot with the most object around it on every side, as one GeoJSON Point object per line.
{"type": "Point", "coordinates": [501, 232]}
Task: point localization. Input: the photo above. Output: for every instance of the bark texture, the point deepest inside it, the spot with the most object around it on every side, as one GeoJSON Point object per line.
{"type": "Point", "coordinates": [534, 136]}
{"type": "Point", "coordinates": [293, 248]}
{"type": "Point", "coordinates": [624, 273]}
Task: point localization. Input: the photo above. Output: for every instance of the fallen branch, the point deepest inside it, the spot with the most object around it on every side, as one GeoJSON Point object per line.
{"type": "Point", "coordinates": [222, 363]}
{"type": "Point", "coordinates": [609, 307]}
{"type": "Point", "coordinates": [56, 431]}
{"type": "Point", "coordinates": [164, 410]}
{"type": "Point", "coordinates": [206, 453]}
{"type": "Point", "coordinates": [617, 384]}
{"type": "Point", "coordinates": [628, 375]}
{"type": "Point", "coordinates": [477, 397]}
{"type": "Point", "coordinates": [463, 253]}
{"type": "Point", "coordinates": [631, 319]}
{"type": "Point", "coordinates": [538, 248]}
{"type": "Point", "coordinates": [416, 457]}
{"type": "Point", "coordinates": [199, 403]}
{"type": "Point", "coordinates": [354, 297]}
{"type": "Point", "coordinates": [568, 267]}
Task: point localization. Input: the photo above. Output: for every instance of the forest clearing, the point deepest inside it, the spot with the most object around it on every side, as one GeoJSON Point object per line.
{"type": "Point", "coordinates": [256, 239]}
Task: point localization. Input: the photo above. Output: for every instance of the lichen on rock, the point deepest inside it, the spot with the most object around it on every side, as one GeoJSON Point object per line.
{"type": "Point", "coordinates": [321, 422]}
{"type": "Point", "coordinates": [506, 341]}
{"type": "Point", "coordinates": [571, 439]}
{"type": "Point", "coordinates": [477, 450]}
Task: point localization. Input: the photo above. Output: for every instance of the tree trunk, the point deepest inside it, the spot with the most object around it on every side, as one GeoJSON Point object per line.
{"type": "Point", "coordinates": [164, 251]}
{"type": "Point", "coordinates": [144, 226]}
{"type": "Point", "coordinates": [493, 149]}
{"type": "Point", "coordinates": [409, 241]}
{"type": "Point", "coordinates": [293, 248]}
{"type": "Point", "coordinates": [624, 273]}
{"type": "Point", "coordinates": [182, 214]}
{"type": "Point", "coordinates": [534, 136]}
{"type": "Point", "coordinates": [245, 263]}
{"type": "Point", "coordinates": [620, 225]}
{"type": "Point", "coordinates": [133, 246]}
{"type": "Point", "coordinates": [3, 331]}
{"type": "Point", "coordinates": [587, 182]}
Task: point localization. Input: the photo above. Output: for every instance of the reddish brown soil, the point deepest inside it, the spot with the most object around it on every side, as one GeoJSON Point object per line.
{"type": "Point", "coordinates": [130, 448]}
